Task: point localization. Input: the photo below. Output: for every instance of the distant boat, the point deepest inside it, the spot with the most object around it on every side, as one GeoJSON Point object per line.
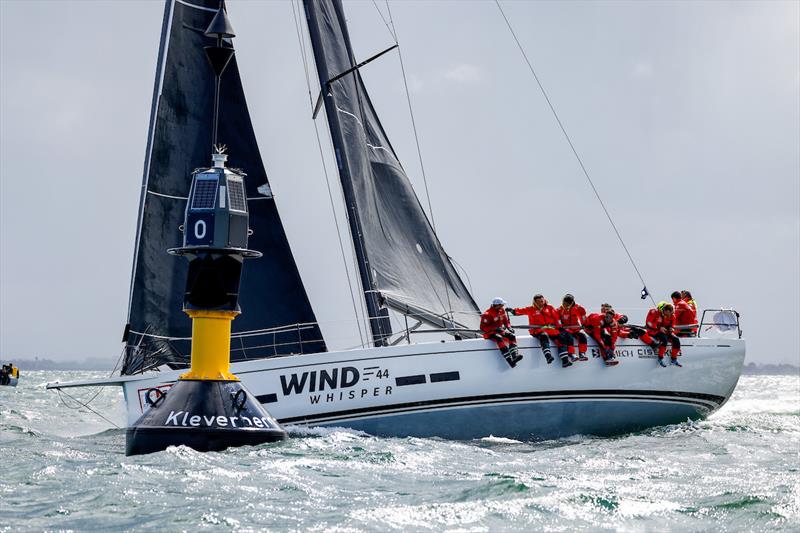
{"type": "Point", "coordinates": [460, 388]}
{"type": "Point", "coordinates": [9, 379]}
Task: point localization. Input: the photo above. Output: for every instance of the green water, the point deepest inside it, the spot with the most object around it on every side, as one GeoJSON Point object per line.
{"type": "Point", "coordinates": [739, 470]}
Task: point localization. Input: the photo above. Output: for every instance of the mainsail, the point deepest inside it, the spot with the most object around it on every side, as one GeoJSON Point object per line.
{"type": "Point", "coordinates": [401, 261]}
{"type": "Point", "coordinates": [277, 317]}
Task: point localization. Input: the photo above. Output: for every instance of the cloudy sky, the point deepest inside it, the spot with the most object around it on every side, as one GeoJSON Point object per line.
{"type": "Point", "coordinates": [686, 114]}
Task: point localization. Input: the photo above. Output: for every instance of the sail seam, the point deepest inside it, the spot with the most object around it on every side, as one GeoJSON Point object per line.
{"type": "Point", "coordinates": [167, 195]}
{"type": "Point", "coordinates": [194, 6]}
{"type": "Point", "coordinates": [373, 146]}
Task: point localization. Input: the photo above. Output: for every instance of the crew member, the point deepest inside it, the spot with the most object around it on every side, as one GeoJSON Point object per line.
{"type": "Point", "coordinates": [684, 316]}
{"type": "Point", "coordinates": [660, 326]}
{"type": "Point", "coordinates": [687, 297]}
{"type": "Point", "coordinates": [572, 316]}
{"type": "Point", "coordinates": [604, 329]}
{"type": "Point", "coordinates": [4, 375]}
{"type": "Point", "coordinates": [495, 326]}
{"type": "Point", "coordinates": [629, 331]}
{"type": "Point", "coordinates": [544, 318]}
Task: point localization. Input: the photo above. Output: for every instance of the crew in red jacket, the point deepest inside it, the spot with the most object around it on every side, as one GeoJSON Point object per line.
{"type": "Point", "coordinates": [687, 297]}
{"type": "Point", "coordinates": [685, 315]}
{"type": "Point", "coordinates": [546, 325]}
{"type": "Point", "coordinates": [604, 329]}
{"type": "Point", "coordinates": [660, 325]}
{"type": "Point", "coordinates": [496, 327]}
{"type": "Point", "coordinates": [630, 331]}
{"type": "Point", "coordinates": [572, 316]}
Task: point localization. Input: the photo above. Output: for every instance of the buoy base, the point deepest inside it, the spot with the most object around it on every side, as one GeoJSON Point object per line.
{"type": "Point", "coordinates": [203, 415]}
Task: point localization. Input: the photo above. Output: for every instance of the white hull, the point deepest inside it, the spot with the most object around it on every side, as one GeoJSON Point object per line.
{"type": "Point", "coordinates": [464, 389]}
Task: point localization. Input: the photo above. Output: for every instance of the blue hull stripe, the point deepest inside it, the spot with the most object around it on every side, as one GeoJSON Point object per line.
{"type": "Point", "coordinates": [706, 401]}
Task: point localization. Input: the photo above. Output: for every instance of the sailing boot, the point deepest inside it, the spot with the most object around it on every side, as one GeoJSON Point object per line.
{"type": "Point", "coordinates": [507, 356]}
{"type": "Point", "coordinates": [610, 359]}
{"type": "Point", "coordinates": [582, 357]}
{"type": "Point", "coordinates": [661, 362]}
{"type": "Point", "coordinates": [565, 359]}
{"type": "Point", "coordinates": [516, 355]}
{"type": "Point", "coordinates": [547, 355]}
{"type": "Point", "coordinates": [674, 361]}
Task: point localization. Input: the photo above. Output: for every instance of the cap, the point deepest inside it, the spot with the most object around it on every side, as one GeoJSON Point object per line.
{"type": "Point", "coordinates": [498, 301]}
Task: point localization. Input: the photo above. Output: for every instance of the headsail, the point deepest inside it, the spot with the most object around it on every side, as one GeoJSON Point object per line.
{"type": "Point", "coordinates": [401, 261]}
{"type": "Point", "coordinates": [278, 317]}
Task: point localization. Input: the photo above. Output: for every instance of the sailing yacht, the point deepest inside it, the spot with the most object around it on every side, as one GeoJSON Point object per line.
{"type": "Point", "coordinates": [458, 387]}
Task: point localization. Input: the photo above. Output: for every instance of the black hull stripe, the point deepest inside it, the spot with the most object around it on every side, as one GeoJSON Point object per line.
{"type": "Point", "coordinates": [707, 401]}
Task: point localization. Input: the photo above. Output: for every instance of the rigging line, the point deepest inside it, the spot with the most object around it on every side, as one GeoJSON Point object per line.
{"type": "Point", "coordinates": [411, 113]}
{"type": "Point", "coordinates": [419, 151]}
{"type": "Point", "coordinates": [572, 147]}
{"type": "Point", "coordinates": [374, 3]}
{"type": "Point", "coordinates": [60, 392]}
{"type": "Point", "coordinates": [298, 28]}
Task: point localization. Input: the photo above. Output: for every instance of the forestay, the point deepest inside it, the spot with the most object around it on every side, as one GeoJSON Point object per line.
{"type": "Point", "coordinates": [401, 261]}
{"type": "Point", "coordinates": [272, 297]}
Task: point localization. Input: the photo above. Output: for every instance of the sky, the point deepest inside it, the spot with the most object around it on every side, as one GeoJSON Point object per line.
{"type": "Point", "coordinates": [686, 115]}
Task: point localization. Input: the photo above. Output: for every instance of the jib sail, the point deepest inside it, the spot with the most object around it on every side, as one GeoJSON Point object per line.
{"type": "Point", "coordinates": [277, 316]}
{"type": "Point", "coordinates": [402, 263]}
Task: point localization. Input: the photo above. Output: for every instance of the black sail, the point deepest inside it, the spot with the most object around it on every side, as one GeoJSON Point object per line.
{"type": "Point", "coordinates": [277, 317]}
{"type": "Point", "coordinates": [402, 263]}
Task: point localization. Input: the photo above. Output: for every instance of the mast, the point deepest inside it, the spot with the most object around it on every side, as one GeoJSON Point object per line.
{"type": "Point", "coordinates": [379, 323]}
{"type": "Point", "coordinates": [402, 264]}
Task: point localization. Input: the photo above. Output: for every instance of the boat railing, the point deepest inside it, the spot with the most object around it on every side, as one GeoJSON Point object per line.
{"type": "Point", "coordinates": [722, 323]}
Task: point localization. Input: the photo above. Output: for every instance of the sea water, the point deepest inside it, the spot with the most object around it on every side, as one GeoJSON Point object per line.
{"type": "Point", "coordinates": [65, 469]}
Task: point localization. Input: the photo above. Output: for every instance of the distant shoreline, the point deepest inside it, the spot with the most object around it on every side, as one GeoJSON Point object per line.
{"type": "Point", "coordinates": [770, 369]}
{"type": "Point", "coordinates": [49, 364]}
{"type": "Point", "coordinates": [750, 369]}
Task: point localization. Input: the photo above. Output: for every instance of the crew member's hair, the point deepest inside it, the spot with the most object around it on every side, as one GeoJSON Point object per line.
{"type": "Point", "coordinates": [568, 299]}
{"type": "Point", "coordinates": [537, 296]}
{"type": "Point", "coordinates": [676, 295]}
{"type": "Point", "coordinates": [667, 307]}
{"type": "Point", "coordinates": [686, 294]}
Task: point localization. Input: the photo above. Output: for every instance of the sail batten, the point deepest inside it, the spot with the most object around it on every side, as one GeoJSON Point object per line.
{"type": "Point", "coordinates": [278, 318]}
{"type": "Point", "coordinates": [402, 264]}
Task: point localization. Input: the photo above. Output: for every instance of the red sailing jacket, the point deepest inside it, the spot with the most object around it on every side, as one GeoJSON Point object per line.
{"type": "Point", "coordinates": [572, 318]}
{"type": "Point", "coordinates": [596, 325]}
{"type": "Point", "coordinates": [684, 314]}
{"type": "Point", "coordinates": [546, 316]}
{"type": "Point", "coordinates": [656, 320]}
{"type": "Point", "coordinates": [491, 320]}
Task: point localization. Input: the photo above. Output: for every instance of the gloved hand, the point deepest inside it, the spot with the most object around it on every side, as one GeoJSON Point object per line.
{"type": "Point", "coordinates": [510, 311]}
{"type": "Point", "coordinates": [623, 319]}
